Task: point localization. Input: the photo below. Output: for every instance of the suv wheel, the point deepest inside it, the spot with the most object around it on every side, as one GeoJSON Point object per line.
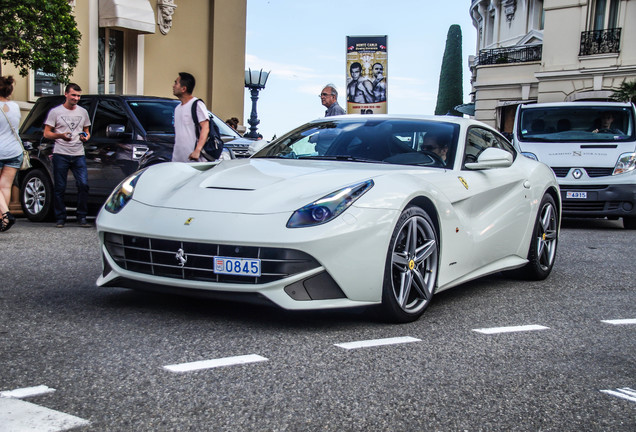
{"type": "Point", "coordinates": [36, 196]}
{"type": "Point", "coordinates": [629, 222]}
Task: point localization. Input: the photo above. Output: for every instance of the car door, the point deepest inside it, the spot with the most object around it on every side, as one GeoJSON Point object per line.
{"type": "Point", "coordinates": [496, 206]}
{"type": "Point", "coordinates": [106, 155]}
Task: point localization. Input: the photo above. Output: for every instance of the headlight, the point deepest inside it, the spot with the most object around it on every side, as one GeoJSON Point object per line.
{"type": "Point", "coordinates": [626, 163]}
{"type": "Point", "coordinates": [122, 193]}
{"type": "Point", "coordinates": [328, 207]}
{"type": "Point", "coordinates": [530, 155]}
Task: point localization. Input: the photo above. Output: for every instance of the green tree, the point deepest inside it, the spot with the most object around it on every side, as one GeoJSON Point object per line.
{"type": "Point", "coordinates": [626, 92]}
{"type": "Point", "coordinates": [450, 92]}
{"type": "Point", "coordinates": [39, 34]}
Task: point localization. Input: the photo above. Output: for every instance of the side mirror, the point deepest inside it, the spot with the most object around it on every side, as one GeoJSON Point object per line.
{"type": "Point", "coordinates": [491, 157]}
{"type": "Point", "coordinates": [116, 131]}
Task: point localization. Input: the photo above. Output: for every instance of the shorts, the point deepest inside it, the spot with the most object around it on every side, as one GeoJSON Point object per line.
{"type": "Point", "coordinates": [15, 162]}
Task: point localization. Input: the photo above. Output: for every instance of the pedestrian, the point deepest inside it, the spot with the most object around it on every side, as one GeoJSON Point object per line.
{"type": "Point", "coordinates": [329, 98]}
{"type": "Point", "coordinates": [68, 124]}
{"type": "Point", "coordinates": [233, 123]}
{"type": "Point", "coordinates": [186, 146]}
{"type": "Point", "coordinates": [10, 149]}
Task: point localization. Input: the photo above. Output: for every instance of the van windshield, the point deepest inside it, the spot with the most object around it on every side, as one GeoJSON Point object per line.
{"type": "Point", "coordinates": [576, 124]}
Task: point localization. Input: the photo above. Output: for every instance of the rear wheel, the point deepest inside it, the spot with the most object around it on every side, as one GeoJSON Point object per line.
{"type": "Point", "coordinates": [411, 267]}
{"type": "Point", "coordinates": [543, 245]}
{"type": "Point", "coordinates": [36, 196]}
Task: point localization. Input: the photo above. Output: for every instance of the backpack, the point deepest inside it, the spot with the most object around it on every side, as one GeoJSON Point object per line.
{"type": "Point", "coordinates": [213, 147]}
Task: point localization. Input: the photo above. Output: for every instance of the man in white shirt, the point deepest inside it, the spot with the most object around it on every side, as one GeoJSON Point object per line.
{"type": "Point", "coordinates": [68, 124]}
{"type": "Point", "coordinates": [186, 146]}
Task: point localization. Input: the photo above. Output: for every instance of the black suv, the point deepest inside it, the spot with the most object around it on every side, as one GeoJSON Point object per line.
{"type": "Point", "coordinates": [123, 129]}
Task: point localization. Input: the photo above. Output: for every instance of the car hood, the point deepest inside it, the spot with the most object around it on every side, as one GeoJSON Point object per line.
{"type": "Point", "coordinates": [254, 186]}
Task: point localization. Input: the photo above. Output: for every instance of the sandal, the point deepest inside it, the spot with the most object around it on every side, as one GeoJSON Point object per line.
{"type": "Point", "coordinates": [7, 221]}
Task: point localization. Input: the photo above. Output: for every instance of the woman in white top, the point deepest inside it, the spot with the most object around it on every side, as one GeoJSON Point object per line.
{"type": "Point", "coordinates": [10, 149]}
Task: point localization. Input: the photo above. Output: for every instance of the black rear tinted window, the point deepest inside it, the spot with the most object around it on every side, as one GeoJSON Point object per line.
{"type": "Point", "coordinates": [155, 116]}
{"type": "Point", "coordinates": [35, 120]}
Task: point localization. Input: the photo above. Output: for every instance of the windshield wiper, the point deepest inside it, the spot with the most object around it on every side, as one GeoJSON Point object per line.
{"type": "Point", "coordinates": [341, 158]}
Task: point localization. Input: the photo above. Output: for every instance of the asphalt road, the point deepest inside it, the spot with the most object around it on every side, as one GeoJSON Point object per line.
{"type": "Point", "coordinates": [100, 354]}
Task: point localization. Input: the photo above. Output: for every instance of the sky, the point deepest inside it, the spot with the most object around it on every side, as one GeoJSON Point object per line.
{"type": "Point", "coordinates": [303, 44]}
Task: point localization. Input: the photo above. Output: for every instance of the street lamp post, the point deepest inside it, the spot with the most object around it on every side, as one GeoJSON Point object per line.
{"type": "Point", "coordinates": [255, 81]}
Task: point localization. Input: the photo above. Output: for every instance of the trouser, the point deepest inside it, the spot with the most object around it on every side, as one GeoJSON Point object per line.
{"type": "Point", "coordinates": [77, 165]}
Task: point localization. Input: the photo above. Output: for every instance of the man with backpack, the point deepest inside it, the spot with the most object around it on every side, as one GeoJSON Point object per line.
{"type": "Point", "coordinates": [187, 146]}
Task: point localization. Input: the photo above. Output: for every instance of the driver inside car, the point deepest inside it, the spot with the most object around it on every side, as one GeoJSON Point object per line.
{"type": "Point", "coordinates": [436, 144]}
{"type": "Point", "coordinates": [607, 118]}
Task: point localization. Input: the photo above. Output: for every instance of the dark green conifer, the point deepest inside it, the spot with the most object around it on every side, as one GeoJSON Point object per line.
{"type": "Point", "coordinates": [450, 93]}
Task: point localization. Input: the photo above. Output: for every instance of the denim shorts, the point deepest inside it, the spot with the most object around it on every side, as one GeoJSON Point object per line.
{"type": "Point", "coordinates": [15, 162]}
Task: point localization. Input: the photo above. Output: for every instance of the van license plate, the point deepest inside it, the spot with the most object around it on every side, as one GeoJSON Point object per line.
{"type": "Point", "coordinates": [237, 266]}
{"type": "Point", "coordinates": [576, 195]}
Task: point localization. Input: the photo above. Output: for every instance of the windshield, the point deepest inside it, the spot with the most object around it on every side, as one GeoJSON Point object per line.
{"type": "Point", "coordinates": [576, 124]}
{"type": "Point", "coordinates": [224, 129]}
{"type": "Point", "coordinates": [155, 116]}
{"type": "Point", "coordinates": [376, 140]}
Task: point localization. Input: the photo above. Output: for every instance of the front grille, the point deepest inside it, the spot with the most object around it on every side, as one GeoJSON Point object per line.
{"type": "Point", "coordinates": [157, 257]}
{"type": "Point", "coordinates": [599, 172]}
{"type": "Point", "coordinates": [560, 171]}
{"type": "Point", "coordinates": [582, 187]}
{"type": "Point", "coordinates": [240, 150]}
{"type": "Point", "coordinates": [590, 206]}
{"type": "Point", "coordinates": [591, 171]}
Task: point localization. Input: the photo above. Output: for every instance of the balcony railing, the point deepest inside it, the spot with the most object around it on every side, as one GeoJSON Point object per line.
{"type": "Point", "coordinates": [600, 42]}
{"type": "Point", "coordinates": [527, 53]}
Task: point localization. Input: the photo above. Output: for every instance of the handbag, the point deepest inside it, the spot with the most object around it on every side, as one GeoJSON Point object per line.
{"type": "Point", "coordinates": [26, 158]}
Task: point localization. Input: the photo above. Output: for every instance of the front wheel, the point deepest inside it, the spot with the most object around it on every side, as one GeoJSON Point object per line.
{"type": "Point", "coordinates": [629, 223]}
{"type": "Point", "coordinates": [411, 267]}
{"type": "Point", "coordinates": [543, 245]}
{"type": "Point", "coordinates": [36, 196]}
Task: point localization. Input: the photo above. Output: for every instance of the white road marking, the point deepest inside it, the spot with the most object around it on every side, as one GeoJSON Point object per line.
{"type": "Point", "coordinates": [19, 416]}
{"type": "Point", "coordinates": [623, 393]}
{"type": "Point", "coordinates": [620, 321]}
{"type": "Point", "coordinates": [26, 392]}
{"type": "Point", "coordinates": [208, 364]}
{"type": "Point", "coordinates": [377, 342]}
{"type": "Point", "coordinates": [512, 329]}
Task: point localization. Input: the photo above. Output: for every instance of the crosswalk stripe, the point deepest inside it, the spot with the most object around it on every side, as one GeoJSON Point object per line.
{"type": "Point", "coordinates": [26, 392]}
{"type": "Point", "coordinates": [623, 393]}
{"type": "Point", "coordinates": [208, 364]}
{"type": "Point", "coordinates": [511, 329]}
{"type": "Point", "coordinates": [377, 342]}
{"type": "Point", "coordinates": [19, 416]}
{"type": "Point", "coordinates": [620, 321]}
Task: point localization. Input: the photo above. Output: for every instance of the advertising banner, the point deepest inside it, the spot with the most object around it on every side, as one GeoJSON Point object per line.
{"type": "Point", "coordinates": [366, 74]}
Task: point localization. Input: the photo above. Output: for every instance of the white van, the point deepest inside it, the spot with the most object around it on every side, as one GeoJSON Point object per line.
{"type": "Point", "coordinates": [591, 147]}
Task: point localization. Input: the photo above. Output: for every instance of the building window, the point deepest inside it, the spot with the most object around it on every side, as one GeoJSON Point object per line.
{"type": "Point", "coordinates": [490, 28]}
{"type": "Point", "coordinates": [605, 14]}
{"type": "Point", "coordinates": [111, 59]}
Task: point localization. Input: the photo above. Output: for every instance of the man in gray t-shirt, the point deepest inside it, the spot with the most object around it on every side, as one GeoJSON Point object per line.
{"type": "Point", "coordinates": [68, 124]}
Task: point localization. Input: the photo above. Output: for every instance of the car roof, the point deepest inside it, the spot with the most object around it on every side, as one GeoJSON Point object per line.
{"type": "Point", "coordinates": [578, 104]}
{"type": "Point", "coordinates": [435, 118]}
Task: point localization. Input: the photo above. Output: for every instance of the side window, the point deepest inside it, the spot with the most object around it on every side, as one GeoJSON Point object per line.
{"type": "Point", "coordinates": [479, 139]}
{"type": "Point", "coordinates": [108, 112]}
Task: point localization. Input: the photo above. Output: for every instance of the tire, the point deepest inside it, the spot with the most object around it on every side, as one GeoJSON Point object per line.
{"type": "Point", "coordinates": [411, 267]}
{"type": "Point", "coordinates": [36, 196]}
{"type": "Point", "coordinates": [543, 246]}
{"type": "Point", "coordinates": [629, 223]}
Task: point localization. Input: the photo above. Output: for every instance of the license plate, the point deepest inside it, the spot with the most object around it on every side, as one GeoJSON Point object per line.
{"type": "Point", "coordinates": [237, 266]}
{"type": "Point", "coordinates": [576, 195]}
